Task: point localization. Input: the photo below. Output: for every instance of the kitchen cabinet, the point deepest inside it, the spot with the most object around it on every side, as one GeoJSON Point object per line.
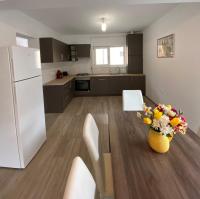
{"type": "Point", "coordinates": [83, 50]}
{"type": "Point", "coordinates": [114, 85]}
{"type": "Point", "coordinates": [58, 93]}
{"type": "Point", "coordinates": [79, 51]}
{"type": "Point", "coordinates": [135, 44]}
{"type": "Point", "coordinates": [52, 50]}
{"type": "Point", "coordinates": [135, 83]}
{"type": "Point", "coordinates": [135, 53]}
{"type": "Point", "coordinates": [135, 64]}
{"type": "Point", "coordinates": [56, 97]}
{"type": "Point", "coordinates": [99, 85]}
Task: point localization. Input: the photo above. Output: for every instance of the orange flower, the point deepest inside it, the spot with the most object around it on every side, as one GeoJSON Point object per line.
{"type": "Point", "coordinates": [175, 121]}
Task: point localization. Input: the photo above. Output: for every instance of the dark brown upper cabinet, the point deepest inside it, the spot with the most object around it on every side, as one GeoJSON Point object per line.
{"type": "Point", "coordinates": [83, 50]}
{"type": "Point", "coordinates": [79, 51]}
{"type": "Point", "coordinates": [135, 53]}
{"type": "Point", "coordinates": [135, 44]}
{"type": "Point", "coordinates": [52, 50]}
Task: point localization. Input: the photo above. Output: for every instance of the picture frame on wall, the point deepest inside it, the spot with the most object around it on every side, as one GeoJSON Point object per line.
{"type": "Point", "coordinates": [165, 46]}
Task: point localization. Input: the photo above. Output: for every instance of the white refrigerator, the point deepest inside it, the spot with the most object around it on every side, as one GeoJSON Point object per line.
{"type": "Point", "coordinates": [22, 118]}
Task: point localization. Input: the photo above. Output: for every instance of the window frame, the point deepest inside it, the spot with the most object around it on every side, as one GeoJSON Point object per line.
{"type": "Point", "coordinates": [108, 49]}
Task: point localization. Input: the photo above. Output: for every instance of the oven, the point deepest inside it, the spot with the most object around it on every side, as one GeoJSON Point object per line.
{"type": "Point", "coordinates": [82, 84]}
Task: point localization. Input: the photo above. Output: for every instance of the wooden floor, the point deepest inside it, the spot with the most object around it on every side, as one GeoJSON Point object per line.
{"type": "Point", "coordinates": [45, 177]}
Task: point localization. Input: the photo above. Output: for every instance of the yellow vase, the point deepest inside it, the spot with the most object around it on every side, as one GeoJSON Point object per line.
{"type": "Point", "coordinates": [158, 142]}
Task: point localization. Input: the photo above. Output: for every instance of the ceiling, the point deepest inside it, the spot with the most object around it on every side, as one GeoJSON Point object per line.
{"type": "Point", "coordinates": [87, 19]}
{"type": "Point", "coordinates": [83, 16]}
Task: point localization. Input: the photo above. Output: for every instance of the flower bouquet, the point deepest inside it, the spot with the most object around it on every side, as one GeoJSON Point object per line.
{"type": "Point", "coordinates": [164, 122]}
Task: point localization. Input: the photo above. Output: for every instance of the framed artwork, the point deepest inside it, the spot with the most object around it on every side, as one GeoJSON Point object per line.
{"type": "Point", "coordinates": [165, 46]}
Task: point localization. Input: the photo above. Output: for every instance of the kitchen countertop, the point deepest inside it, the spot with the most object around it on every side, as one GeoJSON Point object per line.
{"type": "Point", "coordinates": [65, 80]}
{"type": "Point", "coordinates": [120, 74]}
{"type": "Point", "coordinates": [60, 82]}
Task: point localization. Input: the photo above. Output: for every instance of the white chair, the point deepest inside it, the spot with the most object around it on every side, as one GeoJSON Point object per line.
{"type": "Point", "coordinates": [80, 183]}
{"type": "Point", "coordinates": [101, 163]}
{"type": "Point", "coordinates": [132, 100]}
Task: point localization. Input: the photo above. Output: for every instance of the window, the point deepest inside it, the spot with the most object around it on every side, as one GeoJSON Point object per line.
{"type": "Point", "coordinates": [109, 56]}
{"type": "Point", "coordinates": [22, 41]}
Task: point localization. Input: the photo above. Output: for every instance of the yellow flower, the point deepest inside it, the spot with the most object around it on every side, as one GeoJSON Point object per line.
{"type": "Point", "coordinates": [175, 121]}
{"type": "Point", "coordinates": [157, 114]}
{"type": "Point", "coordinates": [155, 110]}
{"type": "Point", "coordinates": [147, 120]}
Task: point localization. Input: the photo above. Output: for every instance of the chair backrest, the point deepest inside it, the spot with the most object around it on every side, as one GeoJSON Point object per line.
{"type": "Point", "coordinates": [80, 183]}
{"type": "Point", "coordinates": [91, 138]}
{"type": "Point", "coordinates": [132, 100]}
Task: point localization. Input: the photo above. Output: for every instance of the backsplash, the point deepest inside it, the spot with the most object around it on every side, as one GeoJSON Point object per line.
{"type": "Point", "coordinates": [83, 65]}
{"type": "Point", "coordinates": [108, 70]}
{"type": "Point", "coordinates": [49, 71]}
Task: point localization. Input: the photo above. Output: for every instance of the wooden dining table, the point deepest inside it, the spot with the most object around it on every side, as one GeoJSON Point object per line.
{"type": "Point", "coordinates": [141, 173]}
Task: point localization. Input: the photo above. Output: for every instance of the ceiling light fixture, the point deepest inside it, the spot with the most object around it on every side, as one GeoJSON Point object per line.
{"type": "Point", "coordinates": [103, 25]}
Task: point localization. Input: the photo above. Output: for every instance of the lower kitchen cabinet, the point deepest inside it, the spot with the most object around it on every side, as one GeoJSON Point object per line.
{"type": "Point", "coordinates": [57, 97]}
{"type": "Point", "coordinates": [99, 86]}
{"type": "Point", "coordinates": [114, 85]}
{"type": "Point", "coordinates": [135, 83]}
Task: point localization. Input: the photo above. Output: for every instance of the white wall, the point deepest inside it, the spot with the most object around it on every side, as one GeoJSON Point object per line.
{"type": "Point", "coordinates": [176, 80]}
{"type": "Point", "coordinates": [7, 35]}
{"type": "Point", "coordinates": [26, 25]}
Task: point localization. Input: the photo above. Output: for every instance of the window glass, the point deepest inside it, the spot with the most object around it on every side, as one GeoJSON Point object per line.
{"type": "Point", "coordinates": [116, 55]}
{"type": "Point", "coordinates": [101, 55]}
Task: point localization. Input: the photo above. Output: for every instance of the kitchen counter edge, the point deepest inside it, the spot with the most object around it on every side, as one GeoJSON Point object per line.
{"type": "Point", "coordinates": [65, 80]}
